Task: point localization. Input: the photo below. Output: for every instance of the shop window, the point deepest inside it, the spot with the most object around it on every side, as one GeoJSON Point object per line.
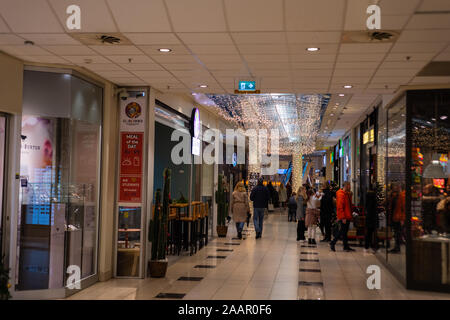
{"type": "Point", "coordinates": [59, 179]}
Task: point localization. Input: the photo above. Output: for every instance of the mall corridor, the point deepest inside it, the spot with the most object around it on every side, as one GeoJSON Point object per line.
{"type": "Point", "coordinates": [275, 267]}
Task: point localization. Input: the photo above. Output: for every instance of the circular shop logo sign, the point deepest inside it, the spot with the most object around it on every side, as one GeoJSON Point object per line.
{"type": "Point", "coordinates": [133, 110]}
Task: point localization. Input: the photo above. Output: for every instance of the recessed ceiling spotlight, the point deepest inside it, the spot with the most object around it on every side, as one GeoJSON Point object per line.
{"type": "Point", "coordinates": [203, 86]}
{"type": "Point", "coordinates": [313, 49]}
{"type": "Point", "coordinates": [444, 117]}
{"type": "Point", "coordinates": [165, 50]}
{"type": "Point", "coordinates": [348, 86]}
{"type": "Point", "coordinates": [341, 95]}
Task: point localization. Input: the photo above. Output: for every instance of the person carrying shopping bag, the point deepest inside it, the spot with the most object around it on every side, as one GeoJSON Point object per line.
{"type": "Point", "coordinates": [239, 207]}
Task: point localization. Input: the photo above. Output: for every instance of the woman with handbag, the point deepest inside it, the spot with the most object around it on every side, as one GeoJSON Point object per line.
{"type": "Point", "coordinates": [312, 214]}
{"type": "Point", "coordinates": [239, 207]}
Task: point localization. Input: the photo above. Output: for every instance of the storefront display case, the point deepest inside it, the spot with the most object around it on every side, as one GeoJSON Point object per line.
{"type": "Point", "coordinates": [416, 185]}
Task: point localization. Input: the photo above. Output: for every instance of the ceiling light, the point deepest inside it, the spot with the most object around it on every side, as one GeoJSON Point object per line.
{"type": "Point", "coordinates": [164, 50]}
{"type": "Point", "coordinates": [444, 117]}
{"type": "Point", "coordinates": [348, 86]}
{"type": "Point", "coordinates": [203, 86]}
{"type": "Point", "coordinates": [341, 95]}
{"type": "Point", "coordinates": [313, 49]}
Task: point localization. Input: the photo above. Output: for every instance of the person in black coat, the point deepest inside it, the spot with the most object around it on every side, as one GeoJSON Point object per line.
{"type": "Point", "coordinates": [260, 197]}
{"type": "Point", "coordinates": [292, 208]}
{"type": "Point", "coordinates": [371, 208]}
{"type": "Point", "coordinates": [326, 211]}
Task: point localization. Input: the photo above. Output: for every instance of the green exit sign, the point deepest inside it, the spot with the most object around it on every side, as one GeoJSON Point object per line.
{"type": "Point", "coordinates": [247, 86]}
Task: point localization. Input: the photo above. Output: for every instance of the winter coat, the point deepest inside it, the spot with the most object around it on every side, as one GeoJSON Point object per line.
{"type": "Point", "coordinates": [301, 205]}
{"type": "Point", "coordinates": [371, 210]}
{"type": "Point", "coordinates": [343, 205]}
{"type": "Point", "coordinates": [260, 197]}
{"type": "Point", "coordinates": [239, 206]}
{"type": "Point", "coordinates": [292, 205]}
{"type": "Point", "coordinates": [327, 204]}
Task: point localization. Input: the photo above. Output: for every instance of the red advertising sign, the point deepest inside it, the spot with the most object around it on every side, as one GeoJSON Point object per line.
{"type": "Point", "coordinates": [131, 154]}
{"type": "Point", "coordinates": [130, 189]}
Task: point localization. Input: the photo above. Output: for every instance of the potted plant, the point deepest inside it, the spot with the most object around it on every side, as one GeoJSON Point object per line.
{"type": "Point", "coordinates": [4, 281]}
{"type": "Point", "coordinates": [222, 209]}
{"type": "Point", "coordinates": [158, 230]}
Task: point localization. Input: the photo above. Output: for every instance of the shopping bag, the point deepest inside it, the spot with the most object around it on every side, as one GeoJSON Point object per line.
{"type": "Point", "coordinates": [271, 208]}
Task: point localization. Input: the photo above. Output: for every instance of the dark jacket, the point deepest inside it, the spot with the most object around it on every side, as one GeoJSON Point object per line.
{"type": "Point", "coordinates": [260, 197]}
{"type": "Point", "coordinates": [327, 204]}
{"type": "Point", "coordinates": [371, 209]}
{"type": "Point", "coordinates": [292, 205]}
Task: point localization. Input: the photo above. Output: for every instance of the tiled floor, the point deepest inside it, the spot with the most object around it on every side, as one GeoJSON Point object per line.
{"type": "Point", "coordinates": [273, 267]}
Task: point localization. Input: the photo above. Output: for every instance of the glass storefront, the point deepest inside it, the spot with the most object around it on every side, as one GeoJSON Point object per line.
{"type": "Point", "coordinates": [2, 178]}
{"type": "Point", "coordinates": [417, 189]}
{"type": "Point", "coordinates": [59, 180]}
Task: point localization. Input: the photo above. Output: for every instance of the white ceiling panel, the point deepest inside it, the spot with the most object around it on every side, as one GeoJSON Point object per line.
{"type": "Point", "coordinates": [391, 79]}
{"type": "Point", "coordinates": [180, 66]}
{"type": "Point", "coordinates": [50, 38]}
{"type": "Point", "coordinates": [266, 58]}
{"type": "Point", "coordinates": [259, 37]}
{"type": "Point", "coordinates": [116, 50]}
{"type": "Point", "coordinates": [141, 66]}
{"type": "Point", "coordinates": [95, 15]}
{"type": "Point", "coordinates": [219, 58]}
{"type": "Point", "coordinates": [153, 74]}
{"type": "Point", "coordinates": [393, 22]}
{"type": "Point", "coordinates": [70, 50]}
{"type": "Point", "coordinates": [134, 59]}
{"type": "Point", "coordinates": [230, 73]}
{"type": "Point", "coordinates": [344, 80]}
{"type": "Point", "coordinates": [418, 47]}
{"type": "Point", "coordinates": [216, 66]}
{"type": "Point", "coordinates": [114, 73]}
{"type": "Point", "coordinates": [24, 50]}
{"type": "Point", "coordinates": [242, 16]}
{"type": "Point", "coordinates": [314, 73]}
{"type": "Point", "coordinates": [295, 37]}
{"type": "Point", "coordinates": [263, 48]}
{"type": "Point", "coordinates": [270, 73]}
{"type": "Point", "coordinates": [29, 16]}
{"type": "Point", "coordinates": [45, 59]}
{"type": "Point", "coordinates": [434, 5]}
{"type": "Point", "coordinates": [312, 57]}
{"type": "Point", "coordinates": [425, 35]}
{"type": "Point", "coordinates": [174, 58]}
{"type": "Point", "coordinates": [213, 49]}
{"type": "Point", "coordinates": [444, 56]}
{"type": "Point", "coordinates": [403, 65]}
{"type": "Point", "coordinates": [353, 72]}
{"type": "Point", "coordinates": [10, 39]}
{"type": "Point", "coordinates": [356, 17]}
{"type": "Point", "coordinates": [398, 7]}
{"type": "Point", "coordinates": [299, 79]}
{"type": "Point", "coordinates": [270, 65]}
{"type": "Point", "coordinates": [82, 59]}
{"type": "Point", "coordinates": [127, 81]}
{"type": "Point", "coordinates": [365, 47]}
{"type": "Point", "coordinates": [357, 65]}
{"type": "Point", "coordinates": [312, 65]}
{"type": "Point", "coordinates": [412, 56]}
{"type": "Point", "coordinates": [196, 15]}
{"type": "Point", "coordinates": [103, 67]}
{"type": "Point", "coordinates": [205, 38]}
{"type": "Point", "coordinates": [146, 38]}
{"type": "Point", "coordinates": [429, 21]}
{"type": "Point", "coordinates": [366, 57]}
{"type": "Point", "coordinates": [140, 15]}
{"type": "Point", "coordinates": [317, 15]}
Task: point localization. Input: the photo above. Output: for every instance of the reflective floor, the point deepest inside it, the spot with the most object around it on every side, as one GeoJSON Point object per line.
{"type": "Point", "coordinates": [273, 267]}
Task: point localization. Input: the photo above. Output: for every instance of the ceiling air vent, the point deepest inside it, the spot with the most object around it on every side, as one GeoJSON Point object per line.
{"type": "Point", "coordinates": [90, 39]}
{"type": "Point", "coordinates": [109, 39]}
{"type": "Point", "coordinates": [369, 36]}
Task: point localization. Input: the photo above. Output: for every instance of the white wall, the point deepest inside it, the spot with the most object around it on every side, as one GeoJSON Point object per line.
{"type": "Point", "coordinates": [11, 84]}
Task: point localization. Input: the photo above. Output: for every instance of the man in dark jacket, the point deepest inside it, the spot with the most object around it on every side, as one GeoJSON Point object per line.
{"type": "Point", "coordinates": [326, 211]}
{"type": "Point", "coordinates": [260, 197]}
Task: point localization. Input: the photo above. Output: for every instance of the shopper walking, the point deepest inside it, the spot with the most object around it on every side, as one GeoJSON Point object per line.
{"type": "Point", "coordinates": [301, 213]}
{"type": "Point", "coordinates": [260, 197]}
{"type": "Point", "coordinates": [343, 215]}
{"type": "Point", "coordinates": [282, 195]}
{"type": "Point", "coordinates": [292, 208]}
{"type": "Point", "coordinates": [326, 211]}
{"type": "Point", "coordinates": [239, 207]}
{"type": "Point", "coordinates": [312, 214]}
{"type": "Point", "coordinates": [371, 209]}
